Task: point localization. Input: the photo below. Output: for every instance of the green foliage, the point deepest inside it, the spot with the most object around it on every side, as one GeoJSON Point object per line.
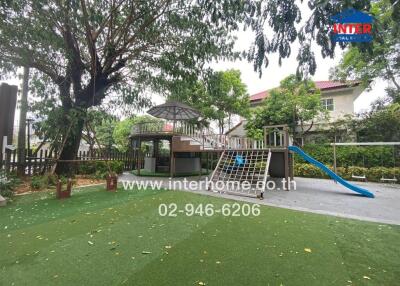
{"type": "Point", "coordinates": [8, 183]}
{"type": "Point", "coordinates": [379, 125]}
{"type": "Point", "coordinates": [295, 102]}
{"type": "Point", "coordinates": [124, 128]}
{"type": "Point", "coordinates": [363, 156]}
{"type": "Point", "coordinates": [218, 97]}
{"type": "Point", "coordinates": [41, 182]}
{"type": "Point", "coordinates": [308, 171]}
{"type": "Point", "coordinates": [100, 169]}
{"type": "Point", "coordinates": [372, 174]}
{"type": "Point", "coordinates": [98, 129]}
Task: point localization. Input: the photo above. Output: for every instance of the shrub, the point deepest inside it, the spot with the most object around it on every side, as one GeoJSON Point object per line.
{"type": "Point", "coordinates": [39, 182]}
{"type": "Point", "coordinates": [346, 156]}
{"type": "Point", "coordinates": [8, 183]}
{"type": "Point", "coordinates": [43, 182]}
{"type": "Point", "coordinates": [372, 174]}
{"type": "Point", "coordinates": [309, 171]}
{"type": "Point", "coordinates": [100, 169]}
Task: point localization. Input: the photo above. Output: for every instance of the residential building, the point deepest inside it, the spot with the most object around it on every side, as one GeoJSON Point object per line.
{"type": "Point", "coordinates": [336, 97]}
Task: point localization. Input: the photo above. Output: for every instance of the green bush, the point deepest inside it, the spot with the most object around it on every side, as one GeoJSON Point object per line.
{"type": "Point", "coordinates": [39, 182]}
{"type": "Point", "coordinates": [8, 183]}
{"type": "Point", "coordinates": [346, 156]}
{"type": "Point", "coordinates": [100, 169]}
{"type": "Point", "coordinates": [309, 171]}
{"type": "Point", "coordinates": [45, 181]}
{"type": "Point", "coordinates": [372, 174]}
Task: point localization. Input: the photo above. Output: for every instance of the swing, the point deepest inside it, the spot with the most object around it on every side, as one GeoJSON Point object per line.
{"type": "Point", "coordinates": [361, 176]}
{"type": "Point", "coordinates": [394, 179]}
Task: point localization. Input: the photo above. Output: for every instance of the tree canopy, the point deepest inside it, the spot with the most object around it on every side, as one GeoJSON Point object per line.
{"type": "Point", "coordinates": [219, 97]}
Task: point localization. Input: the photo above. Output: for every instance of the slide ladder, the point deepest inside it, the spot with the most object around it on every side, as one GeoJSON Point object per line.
{"type": "Point", "coordinates": [331, 174]}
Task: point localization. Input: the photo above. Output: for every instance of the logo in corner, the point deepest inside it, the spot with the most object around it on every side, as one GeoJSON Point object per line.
{"type": "Point", "coordinates": [352, 26]}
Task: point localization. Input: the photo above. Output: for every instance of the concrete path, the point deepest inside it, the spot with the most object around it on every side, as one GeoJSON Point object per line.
{"type": "Point", "coordinates": [317, 196]}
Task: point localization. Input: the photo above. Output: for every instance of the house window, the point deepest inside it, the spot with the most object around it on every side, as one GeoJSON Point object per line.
{"type": "Point", "coordinates": [327, 104]}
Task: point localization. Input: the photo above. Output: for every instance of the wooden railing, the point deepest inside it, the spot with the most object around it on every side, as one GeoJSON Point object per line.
{"type": "Point", "coordinates": [168, 127]}
{"type": "Point", "coordinates": [205, 136]}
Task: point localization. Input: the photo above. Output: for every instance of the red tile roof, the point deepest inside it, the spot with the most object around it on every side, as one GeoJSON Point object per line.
{"type": "Point", "coordinates": [322, 85]}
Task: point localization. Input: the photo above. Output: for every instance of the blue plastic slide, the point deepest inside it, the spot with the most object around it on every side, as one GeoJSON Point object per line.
{"type": "Point", "coordinates": [331, 174]}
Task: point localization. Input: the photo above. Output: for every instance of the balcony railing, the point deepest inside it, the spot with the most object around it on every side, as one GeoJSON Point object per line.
{"type": "Point", "coordinates": [168, 127]}
{"type": "Point", "coordinates": [205, 136]}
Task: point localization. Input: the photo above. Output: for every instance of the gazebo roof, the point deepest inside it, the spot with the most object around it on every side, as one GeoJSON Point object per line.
{"type": "Point", "coordinates": [174, 110]}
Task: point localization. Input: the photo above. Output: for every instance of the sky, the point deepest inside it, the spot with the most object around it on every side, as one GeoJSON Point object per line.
{"type": "Point", "coordinates": [274, 73]}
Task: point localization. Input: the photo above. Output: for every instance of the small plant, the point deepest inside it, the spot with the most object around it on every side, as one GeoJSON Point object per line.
{"type": "Point", "coordinates": [8, 183]}
{"type": "Point", "coordinates": [45, 181]}
{"type": "Point", "coordinates": [100, 169]}
{"type": "Point", "coordinates": [38, 182]}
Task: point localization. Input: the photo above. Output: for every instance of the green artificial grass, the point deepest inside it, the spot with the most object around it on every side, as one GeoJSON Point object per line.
{"type": "Point", "coordinates": [146, 173]}
{"type": "Point", "coordinates": [102, 238]}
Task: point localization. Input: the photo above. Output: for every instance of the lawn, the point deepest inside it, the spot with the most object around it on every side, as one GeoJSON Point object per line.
{"type": "Point", "coordinates": [101, 238]}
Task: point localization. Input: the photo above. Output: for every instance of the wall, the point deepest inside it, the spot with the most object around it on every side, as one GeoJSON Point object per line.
{"type": "Point", "coordinates": [343, 100]}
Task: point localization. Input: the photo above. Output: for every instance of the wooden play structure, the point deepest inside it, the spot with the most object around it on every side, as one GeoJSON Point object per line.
{"type": "Point", "coordinates": [180, 147]}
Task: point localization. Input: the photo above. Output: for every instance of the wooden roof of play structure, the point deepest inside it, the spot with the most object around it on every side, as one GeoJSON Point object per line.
{"type": "Point", "coordinates": [173, 110]}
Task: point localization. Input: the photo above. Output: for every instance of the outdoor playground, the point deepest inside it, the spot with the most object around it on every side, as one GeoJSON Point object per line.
{"type": "Point", "coordinates": [224, 142]}
{"type": "Point", "coordinates": [94, 236]}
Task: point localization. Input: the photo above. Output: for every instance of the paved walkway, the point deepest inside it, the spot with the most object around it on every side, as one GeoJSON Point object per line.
{"type": "Point", "coordinates": [319, 196]}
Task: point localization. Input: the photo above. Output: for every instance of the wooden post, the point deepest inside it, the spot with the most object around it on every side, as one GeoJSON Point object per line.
{"type": "Point", "coordinates": [286, 159]}
{"type": "Point", "coordinates": [139, 151]}
{"type": "Point", "coordinates": [207, 161]}
{"type": "Point", "coordinates": [171, 157]}
{"type": "Point", "coordinates": [62, 194]}
{"type": "Point", "coordinates": [112, 182]}
{"type": "Point", "coordinates": [334, 157]}
{"type": "Point", "coordinates": [201, 169]}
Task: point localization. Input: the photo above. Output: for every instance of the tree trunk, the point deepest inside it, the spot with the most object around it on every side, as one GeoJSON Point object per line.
{"type": "Point", "coordinates": [71, 147]}
{"type": "Point", "coordinates": [22, 123]}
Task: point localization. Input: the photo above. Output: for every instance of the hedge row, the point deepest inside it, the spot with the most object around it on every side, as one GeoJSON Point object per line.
{"type": "Point", "coordinates": [99, 169]}
{"type": "Point", "coordinates": [346, 156]}
{"type": "Point", "coordinates": [373, 174]}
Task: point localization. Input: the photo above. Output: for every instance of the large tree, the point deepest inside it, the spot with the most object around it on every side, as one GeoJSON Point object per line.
{"type": "Point", "coordinates": [295, 103]}
{"type": "Point", "coordinates": [84, 50]}
{"type": "Point", "coordinates": [219, 96]}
